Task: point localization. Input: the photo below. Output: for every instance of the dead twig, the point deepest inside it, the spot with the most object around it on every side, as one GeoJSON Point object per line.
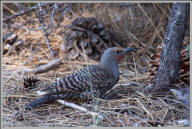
{"type": "Point", "coordinates": [30, 57]}
{"type": "Point", "coordinates": [52, 14]}
{"type": "Point", "coordinates": [21, 96]}
{"type": "Point", "coordinates": [7, 8]}
{"type": "Point", "coordinates": [45, 67]}
{"type": "Point", "coordinates": [23, 12]}
{"type": "Point", "coordinates": [74, 106]}
{"type": "Point", "coordinates": [144, 108]}
{"type": "Point", "coordinates": [46, 34]}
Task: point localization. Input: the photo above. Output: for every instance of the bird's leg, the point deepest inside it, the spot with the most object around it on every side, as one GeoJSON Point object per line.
{"type": "Point", "coordinates": [111, 94]}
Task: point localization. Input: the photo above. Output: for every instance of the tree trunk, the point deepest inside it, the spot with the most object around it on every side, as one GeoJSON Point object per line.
{"type": "Point", "coordinates": [168, 71]}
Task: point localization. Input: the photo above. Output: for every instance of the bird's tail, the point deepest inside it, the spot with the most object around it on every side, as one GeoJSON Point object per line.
{"type": "Point", "coordinates": [43, 100]}
{"type": "Point", "coordinates": [53, 96]}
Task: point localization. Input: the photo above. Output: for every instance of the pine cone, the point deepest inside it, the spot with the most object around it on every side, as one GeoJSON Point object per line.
{"type": "Point", "coordinates": [29, 82]}
{"type": "Point", "coordinates": [184, 75]}
{"type": "Point", "coordinates": [87, 34]}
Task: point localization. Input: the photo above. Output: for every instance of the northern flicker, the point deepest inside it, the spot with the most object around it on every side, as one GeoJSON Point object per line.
{"type": "Point", "coordinates": [92, 80]}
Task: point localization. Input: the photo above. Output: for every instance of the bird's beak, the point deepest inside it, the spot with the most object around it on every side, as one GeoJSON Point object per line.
{"type": "Point", "coordinates": [130, 50]}
{"type": "Point", "coordinates": [126, 51]}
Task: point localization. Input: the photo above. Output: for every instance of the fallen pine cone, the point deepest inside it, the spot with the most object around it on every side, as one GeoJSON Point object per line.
{"type": "Point", "coordinates": [88, 36]}
{"type": "Point", "coordinates": [29, 82]}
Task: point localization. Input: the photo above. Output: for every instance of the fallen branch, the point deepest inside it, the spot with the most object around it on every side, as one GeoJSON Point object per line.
{"type": "Point", "coordinates": [74, 106]}
{"type": "Point", "coordinates": [45, 67]}
{"type": "Point", "coordinates": [23, 12]}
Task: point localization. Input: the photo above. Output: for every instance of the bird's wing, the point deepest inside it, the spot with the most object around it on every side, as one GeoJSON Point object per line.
{"type": "Point", "coordinates": [83, 80]}
{"type": "Point", "coordinates": [95, 76]}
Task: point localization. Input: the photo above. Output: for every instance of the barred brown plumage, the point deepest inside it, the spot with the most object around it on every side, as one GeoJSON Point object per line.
{"type": "Point", "coordinates": [88, 82]}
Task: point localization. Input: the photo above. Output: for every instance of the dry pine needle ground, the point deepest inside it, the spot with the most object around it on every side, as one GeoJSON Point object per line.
{"type": "Point", "coordinates": [132, 109]}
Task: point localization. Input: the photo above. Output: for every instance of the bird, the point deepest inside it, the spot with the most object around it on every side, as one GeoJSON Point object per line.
{"type": "Point", "coordinates": [88, 82]}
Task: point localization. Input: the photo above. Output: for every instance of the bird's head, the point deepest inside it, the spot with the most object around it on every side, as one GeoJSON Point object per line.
{"type": "Point", "coordinates": [115, 54]}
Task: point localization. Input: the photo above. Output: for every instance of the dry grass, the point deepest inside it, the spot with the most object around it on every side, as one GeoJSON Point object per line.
{"type": "Point", "coordinates": [133, 109]}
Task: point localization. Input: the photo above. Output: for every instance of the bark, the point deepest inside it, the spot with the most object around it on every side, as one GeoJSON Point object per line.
{"type": "Point", "coordinates": [168, 71]}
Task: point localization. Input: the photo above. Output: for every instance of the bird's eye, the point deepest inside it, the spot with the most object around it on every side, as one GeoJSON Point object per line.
{"type": "Point", "coordinates": [117, 52]}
